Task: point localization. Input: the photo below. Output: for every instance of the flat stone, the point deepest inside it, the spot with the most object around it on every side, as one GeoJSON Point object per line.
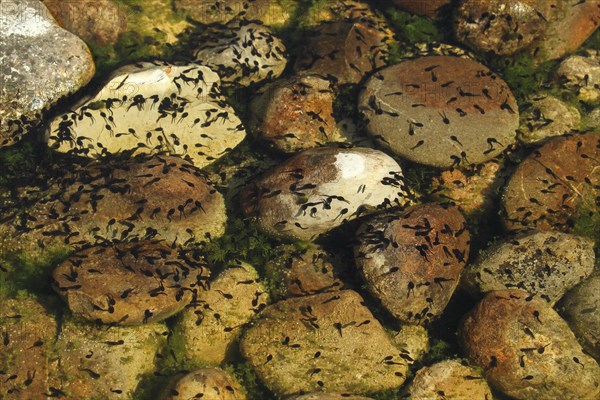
{"type": "Point", "coordinates": [322, 343]}
{"type": "Point", "coordinates": [295, 114]}
{"type": "Point", "coordinates": [440, 111]}
{"type": "Point", "coordinates": [126, 199]}
{"type": "Point", "coordinates": [131, 283]}
{"type": "Point", "coordinates": [581, 75]}
{"type": "Point", "coordinates": [555, 181]}
{"type": "Point", "coordinates": [319, 189]}
{"type": "Point", "coordinates": [526, 350]}
{"type": "Point", "coordinates": [449, 379]}
{"type": "Point", "coordinates": [299, 272]}
{"type": "Point", "coordinates": [501, 26]}
{"type": "Point", "coordinates": [544, 116]}
{"type": "Point", "coordinates": [96, 21]}
{"type": "Point", "coordinates": [104, 363]}
{"type": "Point", "coordinates": [411, 261]}
{"type": "Point", "coordinates": [151, 108]}
{"type": "Point", "coordinates": [210, 327]}
{"type": "Point", "coordinates": [581, 308]}
{"type": "Point", "coordinates": [207, 383]}
{"type": "Point", "coordinates": [241, 53]}
{"type": "Point", "coordinates": [27, 331]}
{"type": "Point", "coordinates": [546, 264]}
{"type": "Point", "coordinates": [39, 63]}
{"type": "Point", "coordinates": [338, 51]}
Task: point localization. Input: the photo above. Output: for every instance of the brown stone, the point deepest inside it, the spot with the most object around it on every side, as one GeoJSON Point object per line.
{"type": "Point", "coordinates": [526, 350]}
{"type": "Point", "coordinates": [295, 113]}
{"type": "Point", "coordinates": [129, 283]}
{"type": "Point", "coordinates": [206, 383]}
{"type": "Point", "coordinates": [299, 272]}
{"type": "Point", "coordinates": [96, 21]}
{"type": "Point", "coordinates": [553, 183]}
{"type": "Point", "coordinates": [411, 261]}
{"type": "Point", "coordinates": [344, 51]}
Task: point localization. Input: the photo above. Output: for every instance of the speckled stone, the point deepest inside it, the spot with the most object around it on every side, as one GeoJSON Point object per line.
{"type": "Point", "coordinates": [545, 264]}
{"type": "Point", "coordinates": [39, 63]}
{"type": "Point", "coordinates": [526, 350]}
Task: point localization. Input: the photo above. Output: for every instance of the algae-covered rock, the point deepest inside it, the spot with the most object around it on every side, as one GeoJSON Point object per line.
{"type": "Point", "coordinates": [210, 327]}
{"type": "Point", "coordinates": [131, 283]}
{"type": "Point", "coordinates": [546, 116]}
{"type": "Point", "coordinates": [152, 107]}
{"type": "Point", "coordinates": [328, 396]}
{"type": "Point", "coordinates": [581, 75]}
{"type": "Point", "coordinates": [319, 189]}
{"type": "Point", "coordinates": [208, 384]}
{"type": "Point", "coordinates": [324, 342]}
{"type": "Point", "coordinates": [546, 264]}
{"type": "Point", "coordinates": [104, 364]}
{"type": "Point", "coordinates": [27, 332]}
{"type": "Point", "coordinates": [440, 111]}
{"type": "Point", "coordinates": [40, 63]}
{"type": "Point", "coordinates": [429, 8]}
{"type": "Point", "coordinates": [526, 350]}
{"type": "Point", "coordinates": [413, 342]}
{"type": "Point", "coordinates": [448, 380]}
{"type": "Point", "coordinates": [269, 12]}
{"type": "Point", "coordinates": [411, 261]}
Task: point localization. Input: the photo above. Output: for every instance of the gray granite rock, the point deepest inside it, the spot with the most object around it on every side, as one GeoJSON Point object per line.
{"type": "Point", "coordinates": [323, 342]}
{"type": "Point", "coordinates": [581, 308]}
{"type": "Point", "coordinates": [526, 350]}
{"type": "Point", "coordinates": [149, 108]}
{"type": "Point", "coordinates": [545, 264]}
{"type": "Point", "coordinates": [411, 261]}
{"type": "Point", "coordinates": [242, 53]}
{"type": "Point", "coordinates": [440, 111]}
{"type": "Point", "coordinates": [131, 283]}
{"type": "Point", "coordinates": [39, 63]}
